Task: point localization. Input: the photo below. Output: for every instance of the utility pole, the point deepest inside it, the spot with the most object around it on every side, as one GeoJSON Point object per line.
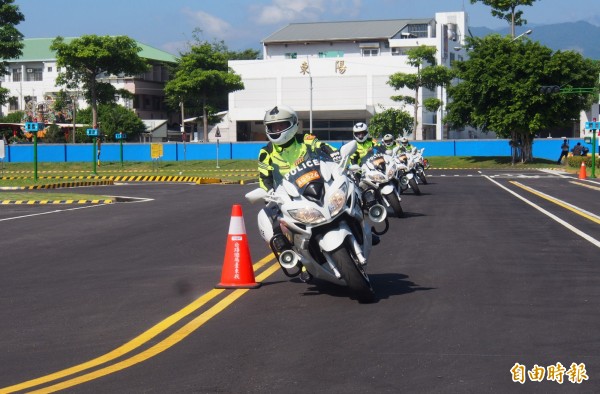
{"type": "Point", "coordinates": [74, 101]}
{"type": "Point", "coordinates": [310, 112]}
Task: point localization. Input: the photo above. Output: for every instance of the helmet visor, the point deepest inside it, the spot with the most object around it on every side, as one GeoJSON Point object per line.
{"type": "Point", "coordinates": [360, 134]}
{"type": "Point", "coordinates": [275, 129]}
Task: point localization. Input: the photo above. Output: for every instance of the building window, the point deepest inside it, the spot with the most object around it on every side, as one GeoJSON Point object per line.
{"type": "Point", "coordinates": [452, 58]}
{"type": "Point", "coordinates": [333, 129]}
{"type": "Point", "coordinates": [16, 75]}
{"type": "Point", "coordinates": [398, 51]}
{"type": "Point", "coordinates": [13, 103]}
{"type": "Point", "coordinates": [33, 74]}
{"type": "Point", "coordinates": [49, 69]}
{"type": "Point", "coordinates": [291, 55]}
{"type": "Point", "coordinates": [370, 52]}
{"type": "Point", "coordinates": [418, 30]}
{"type": "Point", "coordinates": [331, 54]}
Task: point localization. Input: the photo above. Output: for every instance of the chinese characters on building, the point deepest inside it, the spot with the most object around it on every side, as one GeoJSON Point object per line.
{"type": "Point", "coordinates": [304, 68]}
{"type": "Point", "coordinates": [340, 67]}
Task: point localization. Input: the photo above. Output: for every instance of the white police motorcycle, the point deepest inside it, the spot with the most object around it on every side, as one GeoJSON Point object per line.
{"type": "Point", "coordinates": [322, 217]}
{"type": "Point", "coordinates": [379, 171]}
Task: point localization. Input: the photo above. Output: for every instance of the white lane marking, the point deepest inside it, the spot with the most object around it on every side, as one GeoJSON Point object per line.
{"type": "Point", "coordinates": [550, 215]}
{"type": "Point", "coordinates": [76, 208]}
{"type": "Point", "coordinates": [580, 211]}
{"type": "Point", "coordinates": [55, 211]}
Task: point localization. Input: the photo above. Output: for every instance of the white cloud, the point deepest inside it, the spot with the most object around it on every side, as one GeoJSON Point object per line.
{"type": "Point", "coordinates": [209, 24]}
{"type": "Point", "coordinates": [280, 11]}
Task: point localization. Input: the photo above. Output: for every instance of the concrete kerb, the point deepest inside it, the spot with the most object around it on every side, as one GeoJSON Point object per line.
{"type": "Point", "coordinates": [95, 180]}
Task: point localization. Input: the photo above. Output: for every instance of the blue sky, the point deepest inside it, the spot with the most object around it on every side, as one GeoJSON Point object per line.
{"type": "Point", "coordinates": [242, 24]}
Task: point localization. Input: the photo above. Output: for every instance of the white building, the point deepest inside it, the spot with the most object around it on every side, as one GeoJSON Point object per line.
{"type": "Point", "coordinates": [335, 74]}
{"type": "Point", "coordinates": [31, 79]}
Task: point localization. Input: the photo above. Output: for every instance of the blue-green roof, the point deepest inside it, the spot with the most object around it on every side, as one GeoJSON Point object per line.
{"type": "Point", "coordinates": [38, 49]}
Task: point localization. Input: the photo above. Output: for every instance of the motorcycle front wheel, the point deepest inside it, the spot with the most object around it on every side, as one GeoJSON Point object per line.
{"type": "Point", "coordinates": [413, 185]}
{"type": "Point", "coordinates": [392, 199]}
{"type": "Point", "coordinates": [354, 275]}
{"type": "Point", "coordinates": [422, 176]}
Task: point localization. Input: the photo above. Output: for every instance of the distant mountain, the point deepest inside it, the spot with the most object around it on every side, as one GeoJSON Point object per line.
{"type": "Point", "coordinates": [582, 37]}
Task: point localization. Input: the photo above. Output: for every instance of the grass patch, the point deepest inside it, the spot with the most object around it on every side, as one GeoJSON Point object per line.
{"type": "Point", "coordinates": [227, 171]}
{"type": "Point", "coordinates": [495, 162]}
{"type": "Point", "coordinates": [48, 196]}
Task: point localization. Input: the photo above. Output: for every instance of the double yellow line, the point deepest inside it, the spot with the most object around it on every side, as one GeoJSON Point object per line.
{"type": "Point", "coordinates": [572, 208]}
{"type": "Point", "coordinates": [143, 338]}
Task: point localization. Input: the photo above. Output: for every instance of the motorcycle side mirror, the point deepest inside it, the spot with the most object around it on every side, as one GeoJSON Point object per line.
{"type": "Point", "coordinates": [348, 149]}
{"type": "Point", "coordinates": [290, 188]}
{"type": "Point", "coordinates": [354, 167]}
{"type": "Point", "coordinates": [256, 195]}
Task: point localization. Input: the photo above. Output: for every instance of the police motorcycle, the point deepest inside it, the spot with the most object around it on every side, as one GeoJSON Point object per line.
{"type": "Point", "coordinates": [421, 164]}
{"type": "Point", "coordinates": [407, 172]}
{"type": "Point", "coordinates": [322, 217]}
{"type": "Point", "coordinates": [378, 171]}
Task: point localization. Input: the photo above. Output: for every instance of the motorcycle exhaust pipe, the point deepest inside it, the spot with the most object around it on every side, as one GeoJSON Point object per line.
{"type": "Point", "coordinates": [377, 213]}
{"type": "Point", "coordinates": [288, 259]}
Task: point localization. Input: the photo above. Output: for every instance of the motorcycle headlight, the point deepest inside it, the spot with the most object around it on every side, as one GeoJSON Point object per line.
{"type": "Point", "coordinates": [337, 200]}
{"type": "Point", "coordinates": [376, 177]}
{"type": "Point", "coordinates": [391, 172]}
{"type": "Point", "coordinates": [307, 215]}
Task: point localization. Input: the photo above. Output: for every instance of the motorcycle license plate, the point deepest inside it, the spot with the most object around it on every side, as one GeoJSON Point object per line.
{"type": "Point", "coordinates": [308, 177]}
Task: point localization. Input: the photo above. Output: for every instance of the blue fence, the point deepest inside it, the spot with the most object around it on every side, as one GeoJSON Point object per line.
{"type": "Point", "coordinates": [177, 151]}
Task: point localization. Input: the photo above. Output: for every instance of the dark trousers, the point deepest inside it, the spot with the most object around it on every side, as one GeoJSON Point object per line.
{"type": "Point", "coordinates": [562, 154]}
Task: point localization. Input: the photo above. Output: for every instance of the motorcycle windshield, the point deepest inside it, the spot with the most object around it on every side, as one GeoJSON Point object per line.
{"type": "Point", "coordinates": [375, 157]}
{"type": "Point", "coordinates": [306, 172]}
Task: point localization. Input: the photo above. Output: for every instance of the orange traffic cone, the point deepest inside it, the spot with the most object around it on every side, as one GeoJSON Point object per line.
{"type": "Point", "coordinates": [237, 265]}
{"type": "Point", "coordinates": [582, 171]}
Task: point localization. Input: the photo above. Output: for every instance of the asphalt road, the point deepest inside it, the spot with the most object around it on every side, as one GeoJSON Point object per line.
{"type": "Point", "coordinates": [485, 273]}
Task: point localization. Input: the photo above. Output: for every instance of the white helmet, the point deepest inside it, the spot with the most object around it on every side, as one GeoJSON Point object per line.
{"type": "Point", "coordinates": [281, 124]}
{"type": "Point", "coordinates": [388, 140]}
{"type": "Point", "coordinates": [360, 132]}
{"type": "Point", "coordinates": [404, 140]}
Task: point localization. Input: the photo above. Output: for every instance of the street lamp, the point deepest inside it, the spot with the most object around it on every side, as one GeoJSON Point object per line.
{"type": "Point", "coordinates": [528, 32]}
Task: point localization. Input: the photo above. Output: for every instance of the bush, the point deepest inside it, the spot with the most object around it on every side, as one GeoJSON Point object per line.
{"type": "Point", "coordinates": [575, 161]}
{"type": "Point", "coordinates": [114, 118]}
{"type": "Point", "coordinates": [54, 135]}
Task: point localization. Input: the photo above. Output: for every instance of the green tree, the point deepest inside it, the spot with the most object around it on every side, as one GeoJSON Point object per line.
{"type": "Point", "coordinates": [429, 75]}
{"type": "Point", "coordinates": [11, 39]}
{"type": "Point", "coordinates": [499, 89]}
{"type": "Point", "coordinates": [392, 121]}
{"type": "Point", "coordinates": [85, 58]}
{"type": "Point", "coordinates": [113, 119]}
{"type": "Point", "coordinates": [202, 78]}
{"type": "Point", "coordinates": [54, 135]}
{"type": "Point", "coordinates": [6, 131]}
{"type": "Point", "coordinates": [507, 10]}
